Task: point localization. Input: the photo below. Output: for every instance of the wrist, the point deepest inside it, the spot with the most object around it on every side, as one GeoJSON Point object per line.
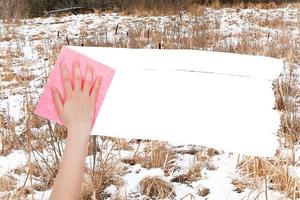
{"type": "Point", "coordinates": [78, 142]}
{"type": "Point", "coordinates": [79, 132]}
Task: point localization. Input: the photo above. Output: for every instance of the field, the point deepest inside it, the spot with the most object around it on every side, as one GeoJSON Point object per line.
{"type": "Point", "coordinates": [118, 168]}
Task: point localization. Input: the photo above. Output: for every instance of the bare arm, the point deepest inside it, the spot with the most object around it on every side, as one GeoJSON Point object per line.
{"type": "Point", "coordinates": [76, 113]}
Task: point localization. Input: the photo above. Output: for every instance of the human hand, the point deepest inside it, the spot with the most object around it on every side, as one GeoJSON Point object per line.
{"type": "Point", "coordinates": [77, 110]}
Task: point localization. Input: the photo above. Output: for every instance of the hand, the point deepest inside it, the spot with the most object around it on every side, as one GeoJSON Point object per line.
{"type": "Point", "coordinates": [77, 110]}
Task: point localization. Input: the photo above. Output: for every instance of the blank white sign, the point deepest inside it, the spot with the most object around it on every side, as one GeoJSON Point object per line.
{"type": "Point", "coordinates": [218, 100]}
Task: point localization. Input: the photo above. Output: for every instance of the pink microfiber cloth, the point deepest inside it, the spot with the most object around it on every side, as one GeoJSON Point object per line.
{"type": "Point", "coordinates": [46, 107]}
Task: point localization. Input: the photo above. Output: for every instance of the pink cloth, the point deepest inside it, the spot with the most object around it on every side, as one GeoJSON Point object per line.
{"type": "Point", "coordinates": [46, 107]}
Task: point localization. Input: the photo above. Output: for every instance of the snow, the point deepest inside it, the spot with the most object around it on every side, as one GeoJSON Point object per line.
{"type": "Point", "coordinates": [14, 106]}
{"type": "Point", "coordinates": [133, 178]}
{"type": "Point", "coordinates": [219, 181]}
{"type": "Point", "coordinates": [39, 36]}
{"type": "Point", "coordinates": [13, 160]}
{"type": "Point", "coordinates": [44, 195]}
{"type": "Point", "coordinates": [295, 172]}
{"type": "Point", "coordinates": [185, 192]}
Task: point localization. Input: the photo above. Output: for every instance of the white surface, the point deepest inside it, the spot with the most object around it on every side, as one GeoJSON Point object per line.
{"type": "Point", "coordinates": [184, 59]}
{"type": "Point", "coordinates": [226, 105]}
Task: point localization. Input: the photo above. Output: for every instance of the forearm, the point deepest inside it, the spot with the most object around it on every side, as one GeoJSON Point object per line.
{"type": "Point", "coordinates": [77, 114]}
{"type": "Point", "coordinates": [70, 176]}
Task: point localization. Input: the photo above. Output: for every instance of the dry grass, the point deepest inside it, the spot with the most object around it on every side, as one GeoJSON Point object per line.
{"type": "Point", "coordinates": [204, 157]}
{"type": "Point", "coordinates": [25, 8]}
{"type": "Point", "coordinates": [158, 154]}
{"type": "Point", "coordinates": [105, 168]}
{"type": "Point", "coordinates": [12, 8]}
{"type": "Point", "coordinates": [7, 183]}
{"type": "Point", "coordinates": [193, 174]}
{"type": "Point", "coordinates": [104, 175]}
{"type": "Point", "coordinates": [7, 37]}
{"type": "Point", "coordinates": [196, 9]}
{"type": "Point", "coordinates": [274, 172]}
{"type": "Point", "coordinates": [203, 192]}
{"type": "Point", "coordinates": [21, 193]}
{"type": "Point", "coordinates": [270, 5]}
{"type": "Point", "coordinates": [277, 23]}
{"type": "Point", "coordinates": [121, 144]}
{"type": "Point", "coordinates": [141, 12]}
{"type": "Point", "coordinates": [156, 187]}
{"type": "Point", "coordinates": [241, 185]}
{"type": "Point", "coordinates": [286, 90]}
{"type": "Point", "coordinates": [9, 140]}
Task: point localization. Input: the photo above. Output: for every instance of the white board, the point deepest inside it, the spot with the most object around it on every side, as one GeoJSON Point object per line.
{"type": "Point", "coordinates": [218, 100]}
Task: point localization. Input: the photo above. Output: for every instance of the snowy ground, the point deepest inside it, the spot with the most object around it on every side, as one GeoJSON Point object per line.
{"type": "Point", "coordinates": [29, 47]}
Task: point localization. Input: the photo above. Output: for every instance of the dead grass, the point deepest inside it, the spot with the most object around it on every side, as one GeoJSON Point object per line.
{"type": "Point", "coordinates": [9, 140]}
{"type": "Point", "coordinates": [156, 187]}
{"type": "Point", "coordinates": [7, 183]}
{"type": "Point", "coordinates": [216, 4]}
{"type": "Point", "coordinates": [196, 9]}
{"type": "Point", "coordinates": [193, 174]}
{"type": "Point", "coordinates": [24, 8]}
{"type": "Point", "coordinates": [203, 192]}
{"type": "Point", "coordinates": [121, 144]}
{"type": "Point", "coordinates": [275, 172]}
{"type": "Point", "coordinates": [289, 129]}
{"type": "Point", "coordinates": [277, 23]}
{"type": "Point", "coordinates": [7, 37]}
{"type": "Point", "coordinates": [105, 174]}
{"type": "Point", "coordinates": [286, 90]}
{"type": "Point", "coordinates": [21, 193]}
{"type": "Point", "coordinates": [204, 157]}
{"type": "Point", "coordinates": [270, 5]}
{"type": "Point", "coordinates": [159, 154]}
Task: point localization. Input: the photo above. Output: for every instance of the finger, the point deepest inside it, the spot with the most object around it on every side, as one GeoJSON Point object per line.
{"type": "Point", "coordinates": [66, 80]}
{"type": "Point", "coordinates": [95, 90]}
{"type": "Point", "coordinates": [57, 100]}
{"type": "Point", "coordinates": [88, 79]}
{"type": "Point", "coordinates": [77, 76]}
